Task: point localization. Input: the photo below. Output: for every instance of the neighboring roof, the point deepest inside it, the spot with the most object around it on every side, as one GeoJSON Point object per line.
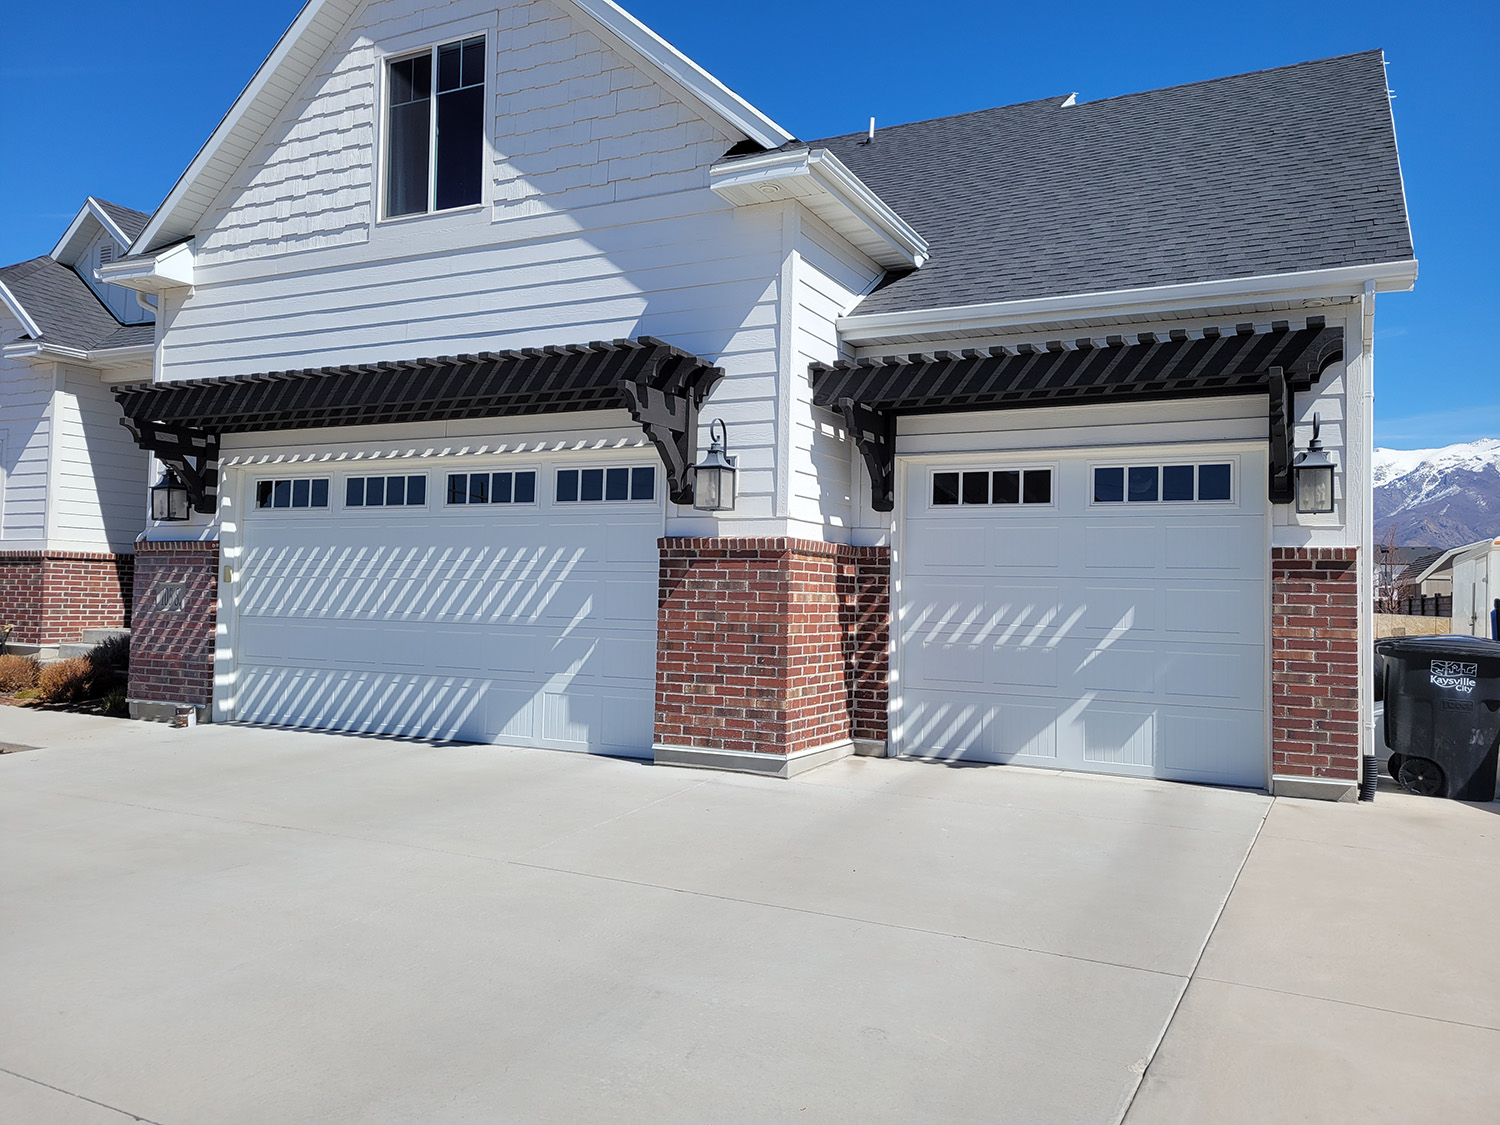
{"type": "Point", "coordinates": [1278, 171]}
{"type": "Point", "coordinates": [61, 305]}
{"type": "Point", "coordinates": [1422, 567]}
{"type": "Point", "coordinates": [315, 29]}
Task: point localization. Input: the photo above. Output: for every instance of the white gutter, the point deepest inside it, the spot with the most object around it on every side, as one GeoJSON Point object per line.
{"type": "Point", "coordinates": [1345, 281]}
{"type": "Point", "coordinates": [830, 190]}
{"type": "Point", "coordinates": [17, 311]}
{"type": "Point", "coordinates": [39, 349]}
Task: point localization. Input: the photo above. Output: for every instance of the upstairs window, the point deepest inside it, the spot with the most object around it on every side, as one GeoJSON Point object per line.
{"type": "Point", "coordinates": [435, 138]}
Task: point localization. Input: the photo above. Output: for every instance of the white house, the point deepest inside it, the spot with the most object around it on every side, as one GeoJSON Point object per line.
{"type": "Point", "coordinates": [450, 296]}
{"type": "Point", "coordinates": [70, 476]}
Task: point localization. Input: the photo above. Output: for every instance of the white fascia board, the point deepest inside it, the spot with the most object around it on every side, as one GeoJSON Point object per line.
{"type": "Point", "coordinates": [642, 45]}
{"type": "Point", "coordinates": [1344, 281]}
{"type": "Point", "coordinates": [31, 351]}
{"type": "Point", "coordinates": [19, 312]}
{"type": "Point", "coordinates": [820, 179]}
{"type": "Point", "coordinates": [169, 268]}
{"type": "Point", "coordinates": [162, 221]}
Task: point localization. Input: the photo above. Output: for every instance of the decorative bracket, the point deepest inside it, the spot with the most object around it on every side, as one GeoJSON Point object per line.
{"type": "Point", "coordinates": [192, 454]}
{"type": "Point", "coordinates": [1282, 395]}
{"type": "Point", "coordinates": [874, 432]}
{"type": "Point", "coordinates": [665, 401]}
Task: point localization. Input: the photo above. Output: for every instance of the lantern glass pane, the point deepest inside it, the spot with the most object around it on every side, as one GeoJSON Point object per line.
{"type": "Point", "coordinates": [178, 502]}
{"type": "Point", "coordinates": [1315, 490]}
{"type": "Point", "coordinates": [707, 490]}
{"type": "Point", "coordinates": [159, 503]}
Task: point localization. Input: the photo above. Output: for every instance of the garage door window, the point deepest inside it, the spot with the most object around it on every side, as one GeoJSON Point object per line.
{"type": "Point", "coordinates": [1150, 484]}
{"type": "Point", "coordinates": [992, 486]}
{"type": "Point", "coordinates": [608, 485]}
{"type": "Point", "coordinates": [299, 492]}
{"type": "Point", "coordinates": [385, 492]}
{"type": "Point", "coordinates": [492, 488]}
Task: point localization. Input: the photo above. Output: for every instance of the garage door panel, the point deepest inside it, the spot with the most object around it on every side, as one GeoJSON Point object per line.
{"type": "Point", "coordinates": [1120, 611]}
{"type": "Point", "coordinates": [953, 724]}
{"type": "Point", "coordinates": [1026, 731]}
{"type": "Point", "coordinates": [1119, 668]}
{"type": "Point", "coordinates": [1122, 546]}
{"type": "Point", "coordinates": [1227, 609]}
{"type": "Point", "coordinates": [1230, 675]}
{"type": "Point", "coordinates": [1021, 666]}
{"type": "Point", "coordinates": [952, 545]}
{"type": "Point", "coordinates": [1224, 748]}
{"type": "Point", "coordinates": [1212, 547]}
{"type": "Point", "coordinates": [1118, 737]}
{"type": "Point", "coordinates": [1034, 549]}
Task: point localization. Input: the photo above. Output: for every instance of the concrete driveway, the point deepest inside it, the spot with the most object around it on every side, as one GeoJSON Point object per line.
{"type": "Point", "coordinates": [239, 925]}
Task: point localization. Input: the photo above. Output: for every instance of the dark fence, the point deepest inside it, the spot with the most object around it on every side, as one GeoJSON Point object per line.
{"type": "Point", "coordinates": [1426, 605]}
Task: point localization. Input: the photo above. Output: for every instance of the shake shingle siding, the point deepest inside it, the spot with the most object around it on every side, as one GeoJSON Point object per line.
{"type": "Point", "coordinates": [1278, 171]}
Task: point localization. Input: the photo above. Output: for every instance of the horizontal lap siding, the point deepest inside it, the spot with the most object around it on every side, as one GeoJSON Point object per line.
{"type": "Point", "coordinates": [100, 487]}
{"type": "Point", "coordinates": [828, 282]}
{"type": "Point", "coordinates": [25, 434]}
{"type": "Point", "coordinates": [600, 225]}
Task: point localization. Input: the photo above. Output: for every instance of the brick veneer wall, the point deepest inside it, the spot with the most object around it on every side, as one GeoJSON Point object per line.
{"type": "Point", "coordinates": [172, 653]}
{"type": "Point", "coordinates": [52, 596]}
{"type": "Point", "coordinates": [1315, 662]}
{"type": "Point", "coordinates": [771, 645]}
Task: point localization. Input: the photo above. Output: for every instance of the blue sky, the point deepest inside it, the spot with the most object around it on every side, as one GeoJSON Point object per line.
{"type": "Point", "coordinates": [113, 101]}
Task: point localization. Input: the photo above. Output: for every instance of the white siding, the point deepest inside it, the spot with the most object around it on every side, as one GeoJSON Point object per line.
{"type": "Point", "coordinates": [25, 435]}
{"type": "Point", "coordinates": [829, 278]}
{"type": "Point", "coordinates": [98, 496]}
{"type": "Point", "coordinates": [601, 226]}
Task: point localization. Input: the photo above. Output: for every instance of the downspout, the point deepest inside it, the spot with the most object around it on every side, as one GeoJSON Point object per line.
{"type": "Point", "coordinates": [1369, 760]}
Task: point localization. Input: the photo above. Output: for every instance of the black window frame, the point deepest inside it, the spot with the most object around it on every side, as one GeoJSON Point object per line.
{"type": "Point", "coordinates": [363, 481]}
{"type": "Point", "coordinates": [471, 495]}
{"type": "Point", "coordinates": [311, 488]}
{"type": "Point", "coordinates": [1122, 469]}
{"type": "Point", "coordinates": [453, 171]}
{"type": "Point", "coordinates": [592, 484]}
{"type": "Point", "coordinates": [961, 487]}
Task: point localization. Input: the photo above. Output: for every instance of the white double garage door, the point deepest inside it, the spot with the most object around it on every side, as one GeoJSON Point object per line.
{"type": "Point", "coordinates": [1113, 621]}
{"type": "Point", "coordinates": [527, 618]}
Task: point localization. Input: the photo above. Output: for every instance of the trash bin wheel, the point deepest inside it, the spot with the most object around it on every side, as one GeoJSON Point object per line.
{"type": "Point", "coordinates": [1393, 766]}
{"type": "Point", "coordinates": [1423, 777]}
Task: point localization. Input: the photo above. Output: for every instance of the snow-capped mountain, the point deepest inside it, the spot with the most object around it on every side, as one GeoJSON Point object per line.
{"type": "Point", "coordinates": [1438, 497]}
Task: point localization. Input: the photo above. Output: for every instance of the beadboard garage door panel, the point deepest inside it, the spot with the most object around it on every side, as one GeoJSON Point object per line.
{"type": "Point", "coordinates": [1124, 639]}
{"type": "Point", "coordinates": [532, 627]}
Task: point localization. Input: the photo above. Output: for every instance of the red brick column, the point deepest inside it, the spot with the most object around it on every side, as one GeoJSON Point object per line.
{"type": "Point", "coordinates": [1315, 662]}
{"type": "Point", "coordinates": [172, 649]}
{"type": "Point", "coordinates": [770, 646]}
{"type": "Point", "coordinates": [52, 596]}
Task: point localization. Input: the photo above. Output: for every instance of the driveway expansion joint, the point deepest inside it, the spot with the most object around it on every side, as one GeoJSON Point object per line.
{"type": "Point", "coordinates": [80, 1097]}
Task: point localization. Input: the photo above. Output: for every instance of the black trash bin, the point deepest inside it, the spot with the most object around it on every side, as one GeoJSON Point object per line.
{"type": "Point", "coordinates": [1442, 714]}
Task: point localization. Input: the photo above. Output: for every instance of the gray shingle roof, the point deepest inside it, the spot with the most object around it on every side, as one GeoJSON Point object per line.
{"type": "Point", "coordinates": [130, 221]}
{"type": "Point", "coordinates": [64, 307]}
{"type": "Point", "coordinates": [1272, 172]}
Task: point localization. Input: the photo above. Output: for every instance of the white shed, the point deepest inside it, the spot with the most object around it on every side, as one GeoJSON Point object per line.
{"type": "Point", "coordinates": [1476, 589]}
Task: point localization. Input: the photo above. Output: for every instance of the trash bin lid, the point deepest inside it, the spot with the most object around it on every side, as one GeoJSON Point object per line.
{"type": "Point", "coordinates": [1456, 646]}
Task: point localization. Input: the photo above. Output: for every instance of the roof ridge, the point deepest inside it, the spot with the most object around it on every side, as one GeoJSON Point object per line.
{"type": "Point", "coordinates": [1055, 100]}
{"type": "Point", "coordinates": [1232, 77]}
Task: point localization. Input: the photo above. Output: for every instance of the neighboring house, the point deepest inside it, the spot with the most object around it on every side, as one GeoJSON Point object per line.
{"type": "Point", "coordinates": [1428, 575]}
{"type": "Point", "coordinates": [1014, 396]}
{"type": "Point", "coordinates": [71, 478]}
{"type": "Point", "coordinates": [1476, 589]}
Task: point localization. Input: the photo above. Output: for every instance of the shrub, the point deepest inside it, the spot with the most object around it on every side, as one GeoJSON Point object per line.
{"type": "Point", "coordinates": [18, 673]}
{"type": "Point", "coordinates": [67, 681]}
{"type": "Point", "coordinates": [108, 656]}
{"type": "Point", "coordinates": [114, 703]}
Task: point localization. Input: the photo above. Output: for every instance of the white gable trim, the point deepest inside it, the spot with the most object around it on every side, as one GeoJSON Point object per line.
{"type": "Point", "coordinates": [90, 209]}
{"type": "Point", "coordinates": [313, 32]}
{"type": "Point", "coordinates": [17, 311]}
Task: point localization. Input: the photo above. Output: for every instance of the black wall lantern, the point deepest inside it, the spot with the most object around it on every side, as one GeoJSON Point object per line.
{"type": "Point", "coordinates": [1314, 471]}
{"type": "Point", "coordinates": [169, 498]}
{"type": "Point", "coordinates": [713, 477]}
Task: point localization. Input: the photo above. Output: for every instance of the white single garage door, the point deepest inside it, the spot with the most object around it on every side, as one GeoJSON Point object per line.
{"type": "Point", "coordinates": [1103, 613]}
{"type": "Point", "coordinates": [486, 605]}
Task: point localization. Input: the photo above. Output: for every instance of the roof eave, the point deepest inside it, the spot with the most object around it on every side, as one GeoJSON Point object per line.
{"type": "Point", "coordinates": [1343, 281]}
{"type": "Point", "coordinates": [91, 208]}
{"type": "Point", "coordinates": [822, 182]}
{"type": "Point", "coordinates": [18, 311]}
{"type": "Point", "coordinates": [169, 268]}
{"type": "Point", "coordinates": [45, 351]}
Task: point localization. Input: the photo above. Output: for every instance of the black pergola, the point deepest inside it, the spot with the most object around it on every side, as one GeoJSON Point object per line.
{"type": "Point", "coordinates": [872, 393]}
{"type": "Point", "coordinates": [661, 386]}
